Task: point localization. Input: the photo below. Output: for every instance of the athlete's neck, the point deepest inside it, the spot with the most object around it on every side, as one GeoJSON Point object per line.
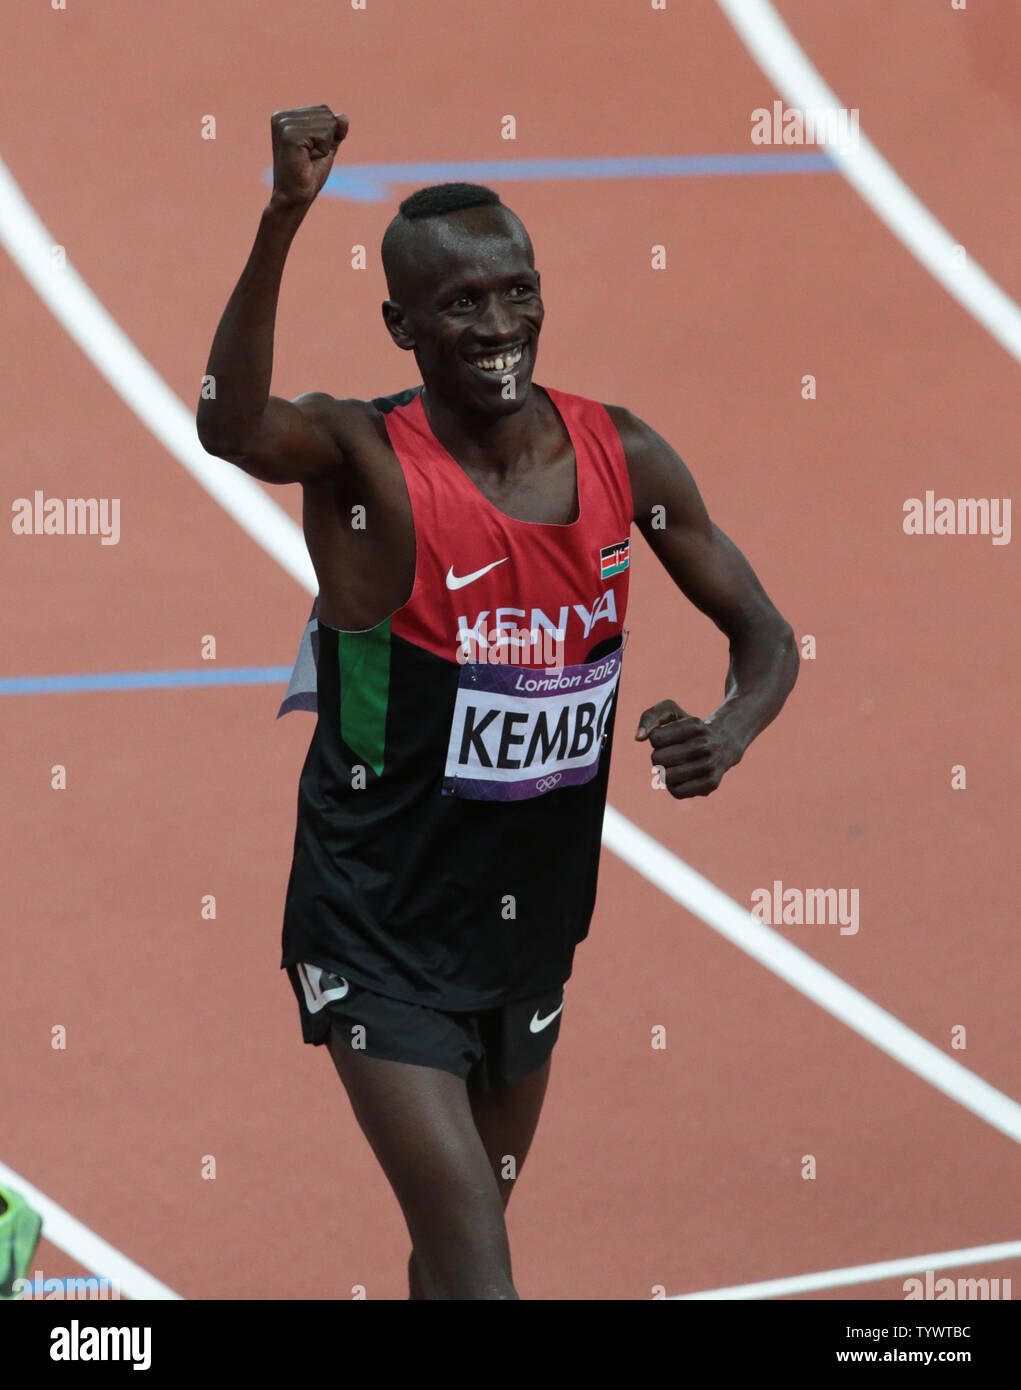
{"type": "Point", "coordinates": [497, 444]}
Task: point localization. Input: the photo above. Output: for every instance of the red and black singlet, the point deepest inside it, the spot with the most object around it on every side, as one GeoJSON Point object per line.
{"type": "Point", "coordinates": [450, 807]}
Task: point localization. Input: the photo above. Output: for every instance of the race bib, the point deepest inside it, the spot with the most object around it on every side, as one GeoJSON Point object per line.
{"type": "Point", "coordinates": [522, 731]}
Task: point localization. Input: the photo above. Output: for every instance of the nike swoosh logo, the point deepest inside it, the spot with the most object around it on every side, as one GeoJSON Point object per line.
{"type": "Point", "coordinates": [453, 582]}
{"type": "Point", "coordinates": [538, 1024]}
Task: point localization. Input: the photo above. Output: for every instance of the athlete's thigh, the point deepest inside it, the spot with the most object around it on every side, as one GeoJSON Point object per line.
{"type": "Point", "coordinates": [419, 1123]}
{"type": "Point", "coordinates": [506, 1119]}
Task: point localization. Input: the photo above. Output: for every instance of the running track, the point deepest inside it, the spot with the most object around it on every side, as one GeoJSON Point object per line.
{"type": "Point", "coordinates": [678, 1168]}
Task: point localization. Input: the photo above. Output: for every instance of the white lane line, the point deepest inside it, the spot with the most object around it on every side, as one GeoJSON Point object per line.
{"type": "Point", "coordinates": [680, 882]}
{"type": "Point", "coordinates": [112, 352]}
{"type": "Point", "coordinates": [862, 1274]}
{"type": "Point", "coordinates": [778, 53]}
{"type": "Point", "coordinates": [83, 1245]}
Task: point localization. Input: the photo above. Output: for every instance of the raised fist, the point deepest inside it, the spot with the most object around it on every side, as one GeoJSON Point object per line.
{"type": "Point", "coordinates": [304, 143]}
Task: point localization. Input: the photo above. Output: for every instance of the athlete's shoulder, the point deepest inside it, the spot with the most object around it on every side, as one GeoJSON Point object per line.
{"type": "Point", "coordinates": [593, 413]}
{"type": "Point", "coordinates": [384, 404]}
{"type": "Point", "coordinates": [643, 447]}
{"type": "Point", "coordinates": [620, 416]}
{"type": "Point", "coordinates": [572, 398]}
{"type": "Point", "coordinates": [631, 429]}
{"type": "Point", "coordinates": [350, 420]}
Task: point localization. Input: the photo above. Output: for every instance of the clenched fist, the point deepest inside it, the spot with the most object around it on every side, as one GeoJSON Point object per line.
{"type": "Point", "coordinates": [690, 756]}
{"type": "Point", "coordinates": [304, 143]}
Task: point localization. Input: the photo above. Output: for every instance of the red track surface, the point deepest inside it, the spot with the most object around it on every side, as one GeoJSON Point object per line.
{"type": "Point", "coordinates": [679, 1167]}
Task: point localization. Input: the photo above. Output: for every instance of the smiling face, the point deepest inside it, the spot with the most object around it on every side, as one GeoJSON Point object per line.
{"type": "Point", "coordinates": [466, 302]}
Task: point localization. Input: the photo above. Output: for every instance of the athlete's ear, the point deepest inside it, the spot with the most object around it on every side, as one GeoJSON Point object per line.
{"type": "Point", "coordinates": [393, 317]}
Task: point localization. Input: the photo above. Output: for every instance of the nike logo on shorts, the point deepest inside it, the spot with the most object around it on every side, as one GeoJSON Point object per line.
{"type": "Point", "coordinates": [319, 986]}
{"type": "Point", "coordinates": [454, 582]}
{"type": "Point", "coordinates": [538, 1024]}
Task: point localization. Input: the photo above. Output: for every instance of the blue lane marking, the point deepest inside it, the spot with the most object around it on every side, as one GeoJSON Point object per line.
{"type": "Point", "coordinates": [372, 183]}
{"type": "Point", "coordinates": [145, 680]}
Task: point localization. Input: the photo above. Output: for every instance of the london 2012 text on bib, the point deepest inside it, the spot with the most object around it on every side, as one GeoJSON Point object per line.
{"type": "Point", "coordinates": [519, 731]}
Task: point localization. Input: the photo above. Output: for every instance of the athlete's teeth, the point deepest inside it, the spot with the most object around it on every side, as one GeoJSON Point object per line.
{"type": "Point", "coordinates": [499, 364]}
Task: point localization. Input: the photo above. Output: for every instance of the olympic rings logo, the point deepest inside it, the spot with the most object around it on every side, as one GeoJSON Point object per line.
{"type": "Point", "coordinates": [546, 784]}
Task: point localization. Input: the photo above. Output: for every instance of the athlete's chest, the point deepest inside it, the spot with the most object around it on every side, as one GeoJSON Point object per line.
{"type": "Point", "coordinates": [543, 493]}
{"type": "Point", "coordinates": [538, 549]}
{"type": "Point", "coordinates": [492, 588]}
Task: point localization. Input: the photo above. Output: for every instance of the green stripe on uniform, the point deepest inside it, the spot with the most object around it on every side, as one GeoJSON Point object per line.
{"type": "Point", "coordinates": [364, 661]}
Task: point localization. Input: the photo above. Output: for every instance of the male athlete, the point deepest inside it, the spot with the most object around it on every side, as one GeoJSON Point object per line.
{"type": "Point", "coordinates": [470, 539]}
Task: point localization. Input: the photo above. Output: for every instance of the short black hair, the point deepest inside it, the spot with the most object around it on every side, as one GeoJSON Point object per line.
{"type": "Point", "coordinates": [441, 198]}
{"type": "Point", "coordinates": [438, 200]}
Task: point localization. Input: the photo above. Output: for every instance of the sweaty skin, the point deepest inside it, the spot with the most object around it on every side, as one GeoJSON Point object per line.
{"type": "Point", "coordinates": [465, 287]}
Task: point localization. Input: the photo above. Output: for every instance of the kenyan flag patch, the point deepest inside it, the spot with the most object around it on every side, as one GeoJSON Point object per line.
{"type": "Point", "coordinates": [613, 559]}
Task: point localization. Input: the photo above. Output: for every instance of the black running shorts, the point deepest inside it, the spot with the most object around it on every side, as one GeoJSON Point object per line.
{"type": "Point", "coordinates": [487, 1049]}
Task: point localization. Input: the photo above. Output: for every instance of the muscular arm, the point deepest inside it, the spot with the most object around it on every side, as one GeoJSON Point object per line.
{"type": "Point", "coordinates": [710, 570]}
{"type": "Point", "coordinates": [276, 440]}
